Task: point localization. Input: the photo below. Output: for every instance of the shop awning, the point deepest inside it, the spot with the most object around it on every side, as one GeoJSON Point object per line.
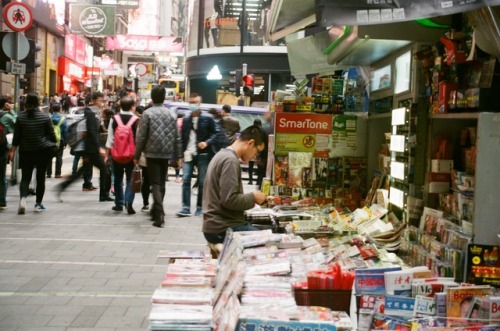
{"type": "Point", "coordinates": [376, 30]}
{"type": "Point", "coordinates": [289, 16]}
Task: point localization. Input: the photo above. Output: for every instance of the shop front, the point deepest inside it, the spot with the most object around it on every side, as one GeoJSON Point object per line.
{"type": "Point", "coordinates": [71, 76]}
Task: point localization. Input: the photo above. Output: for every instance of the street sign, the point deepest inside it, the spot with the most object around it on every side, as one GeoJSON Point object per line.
{"type": "Point", "coordinates": [16, 68]}
{"type": "Point", "coordinates": [9, 45]}
{"type": "Point", "coordinates": [18, 16]}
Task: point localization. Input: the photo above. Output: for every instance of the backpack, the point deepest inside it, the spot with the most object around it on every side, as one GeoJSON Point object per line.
{"type": "Point", "coordinates": [57, 131]}
{"type": "Point", "coordinates": [3, 135]}
{"type": "Point", "coordinates": [123, 148]}
{"type": "Point", "coordinates": [72, 137]}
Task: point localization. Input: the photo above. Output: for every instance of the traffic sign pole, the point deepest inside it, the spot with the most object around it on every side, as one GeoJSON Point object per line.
{"type": "Point", "coordinates": [15, 163]}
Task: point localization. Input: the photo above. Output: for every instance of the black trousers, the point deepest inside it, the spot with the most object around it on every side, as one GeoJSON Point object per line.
{"type": "Point", "coordinates": [157, 173]}
{"type": "Point", "coordinates": [28, 161]}
{"type": "Point", "coordinates": [97, 161]}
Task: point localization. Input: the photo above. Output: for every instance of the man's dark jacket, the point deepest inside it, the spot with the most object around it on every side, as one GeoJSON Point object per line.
{"type": "Point", "coordinates": [206, 132]}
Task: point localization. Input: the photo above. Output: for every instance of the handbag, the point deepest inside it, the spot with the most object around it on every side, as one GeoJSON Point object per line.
{"type": "Point", "coordinates": [136, 179]}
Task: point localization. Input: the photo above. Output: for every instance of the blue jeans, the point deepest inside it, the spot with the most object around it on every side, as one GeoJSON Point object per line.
{"type": "Point", "coordinates": [218, 238]}
{"type": "Point", "coordinates": [3, 178]}
{"type": "Point", "coordinates": [87, 170]}
{"type": "Point", "coordinates": [118, 171]}
{"type": "Point", "coordinates": [201, 162]}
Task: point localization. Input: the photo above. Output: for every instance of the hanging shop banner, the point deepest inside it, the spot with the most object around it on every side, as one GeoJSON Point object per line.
{"type": "Point", "coordinates": [122, 4]}
{"type": "Point", "coordinates": [144, 43]}
{"type": "Point", "coordinates": [365, 12]}
{"type": "Point", "coordinates": [303, 123]}
{"type": "Point", "coordinates": [92, 20]}
{"type": "Point", "coordinates": [67, 67]}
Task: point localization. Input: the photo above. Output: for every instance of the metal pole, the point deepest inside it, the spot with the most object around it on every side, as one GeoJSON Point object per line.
{"type": "Point", "coordinates": [15, 162]}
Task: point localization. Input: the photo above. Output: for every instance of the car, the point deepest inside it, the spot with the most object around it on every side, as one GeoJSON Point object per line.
{"type": "Point", "coordinates": [76, 113]}
{"type": "Point", "coordinates": [245, 115]}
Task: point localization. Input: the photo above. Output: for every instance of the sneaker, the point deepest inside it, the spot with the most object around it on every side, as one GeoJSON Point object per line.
{"type": "Point", "coordinates": [57, 176]}
{"type": "Point", "coordinates": [40, 208]}
{"type": "Point", "coordinates": [3, 207]}
{"type": "Point", "coordinates": [184, 213]}
{"type": "Point", "coordinates": [116, 208]}
{"type": "Point", "coordinates": [89, 188]}
{"type": "Point", "coordinates": [22, 206]}
{"type": "Point", "coordinates": [178, 180]}
{"type": "Point", "coordinates": [49, 176]}
{"type": "Point", "coordinates": [198, 212]}
{"type": "Point", "coordinates": [145, 209]}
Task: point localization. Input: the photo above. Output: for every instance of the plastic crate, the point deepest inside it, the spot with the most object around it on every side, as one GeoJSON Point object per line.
{"type": "Point", "coordinates": [337, 300]}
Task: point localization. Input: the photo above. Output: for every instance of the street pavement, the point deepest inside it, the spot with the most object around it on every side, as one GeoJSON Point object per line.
{"type": "Point", "coordinates": [81, 266]}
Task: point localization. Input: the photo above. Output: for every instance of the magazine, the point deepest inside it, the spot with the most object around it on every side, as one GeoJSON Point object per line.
{"type": "Point", "coordinates": [459, 299]}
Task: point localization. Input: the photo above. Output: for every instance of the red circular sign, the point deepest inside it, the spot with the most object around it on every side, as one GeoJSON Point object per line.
{"type": "Point", "coordinates": [18, 16]}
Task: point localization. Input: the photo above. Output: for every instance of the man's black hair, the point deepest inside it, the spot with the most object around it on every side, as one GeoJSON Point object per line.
{"type": "Point", "coordinates": [254, 132]}
{"type": "Point", "coordinates": [226, 108]}
{"type": "Point", "coordinates": [126, 103]}
{"type": "Point", "coordinates": [158, 94]}
{"type": "Point", "coordinates": [56, 106]}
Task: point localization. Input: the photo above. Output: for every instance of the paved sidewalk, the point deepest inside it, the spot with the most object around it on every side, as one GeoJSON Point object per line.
{"type": "Point", "coordinates": [82, 266]}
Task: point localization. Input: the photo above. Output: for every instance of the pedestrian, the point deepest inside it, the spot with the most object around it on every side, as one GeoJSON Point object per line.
{"type": "Point", "coordinates": [158, 139]}
{"type": "Point", "coordinates": [198, 136]}
{"type": "Point", "coordinates": [106, 116]}
{"type": "Point", "coordinates": [225, 202]}
{"type": "Point", "coordinates": [146, 185]}
{"type": "Point", "coordinates": [230, 124]}
{"type": "Point", "coordinates": [7, 123]}
{"type": "Point", "coordinates": [35, 139]}
{"type": "Point", "coordinates": [92, 155]}
{"type": "Point", "coordinates": [121, 139]}
{"type": "Point", "coordinates": [60, 130]}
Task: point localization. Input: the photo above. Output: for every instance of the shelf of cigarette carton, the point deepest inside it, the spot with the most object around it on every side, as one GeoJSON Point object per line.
{"type": "Point", "coordinates": [463, 116]}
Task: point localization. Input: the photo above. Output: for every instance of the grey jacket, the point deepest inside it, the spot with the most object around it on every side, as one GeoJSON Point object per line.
{"type": "Point", "coordinates": [157, 135]}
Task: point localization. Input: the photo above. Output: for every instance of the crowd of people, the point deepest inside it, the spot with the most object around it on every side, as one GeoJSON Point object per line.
{"type": "Point", "coordinates": [117, 140]}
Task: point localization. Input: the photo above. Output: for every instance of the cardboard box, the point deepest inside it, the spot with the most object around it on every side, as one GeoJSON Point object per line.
{"type": "Point", "coordinates": [229, 37]}
{"type": "Point", "coordinates": [442, 166]}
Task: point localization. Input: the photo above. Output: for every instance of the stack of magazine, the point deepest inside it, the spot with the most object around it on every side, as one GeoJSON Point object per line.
{"type": "Point", "coordinates": [184, 300]}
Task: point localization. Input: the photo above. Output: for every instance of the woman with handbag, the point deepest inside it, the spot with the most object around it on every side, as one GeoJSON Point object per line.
{"type": "Point", "coordinates": [35, 139]}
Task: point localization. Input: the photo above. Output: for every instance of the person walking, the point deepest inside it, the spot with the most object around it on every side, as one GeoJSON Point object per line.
{"type": "Point", "coordinates": [60, 125]}
{"type": "Point", "coordinates": [35, 139]}
{"type": "Point", "coordinates": [7, 123]}
{"type": "Point", "coordinates": [145, 186]}
{"type": "Point", "coordinates": [92, 155]}
{"type": "Point", "coordinates": [198, 136]}
{"type": "Point", "coordinates": [230, 124]}
{"type": "Point", "coordinates": [121, 141]}
{"type": "Point", "coordinates": [159, 140]}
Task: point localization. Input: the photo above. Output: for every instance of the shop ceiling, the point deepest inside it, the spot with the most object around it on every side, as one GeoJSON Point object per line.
{"type": "Point", "coordinates": [356, 44]}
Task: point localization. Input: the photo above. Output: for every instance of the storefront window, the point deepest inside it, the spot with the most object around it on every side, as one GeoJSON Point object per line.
{"type": "Point", "coordinates": [225, 23]}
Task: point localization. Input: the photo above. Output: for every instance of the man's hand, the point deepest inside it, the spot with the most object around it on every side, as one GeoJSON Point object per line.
{"type": "Point", "coordinates": [202, 145]}
{"type": "Point", "coordinates": [259, 197]}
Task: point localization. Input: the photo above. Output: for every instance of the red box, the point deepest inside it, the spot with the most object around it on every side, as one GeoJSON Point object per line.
{"type": "Point", "coordinates": [445, 89]}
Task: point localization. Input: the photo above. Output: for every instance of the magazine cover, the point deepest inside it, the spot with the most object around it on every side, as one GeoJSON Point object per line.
{"type": "Point", "coordinates": [296, 162]}
{"type": "Point", "coordinates": [459, 299]}
{"type": "Point", "coordinates": [482, 265]}
{"type": "Point", "coordinates": [281, 170]}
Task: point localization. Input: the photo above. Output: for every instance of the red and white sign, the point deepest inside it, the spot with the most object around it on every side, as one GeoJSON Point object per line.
{"type": "Point", "coordinates": [144, 43]}
{"type": "Point", "coordinates": [304, 123]}
{"type": "Point", "coordinates": [18, 16]}
{"type": "Point", "coordinates": [70, 68]}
